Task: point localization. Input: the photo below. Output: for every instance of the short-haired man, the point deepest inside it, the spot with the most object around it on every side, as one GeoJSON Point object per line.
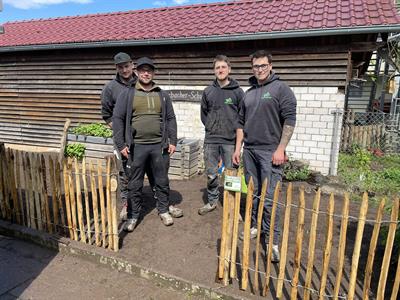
{"type": "Point", "coordinates": [145, 131]}
{"type": "Point", "coordinates": [124, 79]}
{"type": "Point", "coordinates": [267, 120]}
{"type": "Point", "coordinates": [219, 114]}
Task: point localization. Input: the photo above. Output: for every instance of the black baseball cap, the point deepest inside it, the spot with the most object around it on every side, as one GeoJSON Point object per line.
{"type": "Point", "coordinates": [144, 61]}
{"type": "Point", "coordinates": [122, 57]}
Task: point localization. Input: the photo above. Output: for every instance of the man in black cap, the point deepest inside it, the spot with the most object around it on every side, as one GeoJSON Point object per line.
{"type": "Point", "coordinates": [124, 79]}
{"type": "Point", "coordinates": [145, 132]}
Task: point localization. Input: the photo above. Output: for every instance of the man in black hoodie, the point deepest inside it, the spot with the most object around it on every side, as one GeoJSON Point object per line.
{"type": "Point", "coordinates": [267, 120]}
{"type": "Point", "coordinates": [219, 114]}
{"type": "Point", "coordinates": [124, 79]}
{"type": "Point", "coordinates": [145, 132]}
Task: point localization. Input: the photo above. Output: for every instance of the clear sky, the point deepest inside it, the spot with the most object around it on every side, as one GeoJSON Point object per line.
{"type": "Point", "coordinates": [14, 10]}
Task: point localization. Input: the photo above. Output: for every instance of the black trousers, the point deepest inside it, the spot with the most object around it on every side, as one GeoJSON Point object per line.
{"type": "Point", "coordinates": [141, 156]}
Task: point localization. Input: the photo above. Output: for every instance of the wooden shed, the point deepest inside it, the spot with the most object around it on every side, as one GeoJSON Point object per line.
{"type": "Point", "coordinates": [52, 69]}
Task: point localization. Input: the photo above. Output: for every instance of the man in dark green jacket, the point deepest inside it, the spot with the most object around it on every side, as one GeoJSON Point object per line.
{"type": "Point", "coordinates": [145, 131]}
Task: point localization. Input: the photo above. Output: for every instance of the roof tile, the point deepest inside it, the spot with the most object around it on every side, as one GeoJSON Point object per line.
{"type": "Point", "coordinates": [214, 19]}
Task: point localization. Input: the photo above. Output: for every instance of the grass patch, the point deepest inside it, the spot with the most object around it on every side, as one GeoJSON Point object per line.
{"type": "Point", "coordinates": [362, 171]}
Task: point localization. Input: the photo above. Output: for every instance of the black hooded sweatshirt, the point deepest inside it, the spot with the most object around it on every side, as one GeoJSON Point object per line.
{"type": "Point", "coordinates": [264, 111]}
{"type": "Point", "coordinates": [220, 112]}
{"type": "Point", "coordinates": [110, 93]}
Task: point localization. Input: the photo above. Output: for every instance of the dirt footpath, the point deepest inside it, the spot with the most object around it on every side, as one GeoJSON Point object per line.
{"type": "Point", "coordinates": [190, 247]}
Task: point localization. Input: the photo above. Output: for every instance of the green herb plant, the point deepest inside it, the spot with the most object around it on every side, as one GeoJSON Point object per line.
{"type": "Point", "coordinates": [75, 150]}
{"type": "Point", "coordinates": [94, 129]}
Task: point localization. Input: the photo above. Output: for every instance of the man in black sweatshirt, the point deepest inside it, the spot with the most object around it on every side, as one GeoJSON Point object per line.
{"type": "Point", "coordinates": [124, 79]}
{"type": "Point", "coordinates": [266, 124]}
{"type": "Point", "coordinates": [219, 114]}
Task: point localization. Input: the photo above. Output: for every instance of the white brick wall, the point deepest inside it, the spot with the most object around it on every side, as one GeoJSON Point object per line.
{"type": "Point", "coordinates": [313, 137]}
{"type": "Point", "coordinates": [316, 131]}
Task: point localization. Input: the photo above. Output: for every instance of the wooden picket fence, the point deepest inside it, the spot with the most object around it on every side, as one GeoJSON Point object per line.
{"type": "Point", "coordinates": [60, 196]}
{"type": "Point", "coordinates": [309, 278]}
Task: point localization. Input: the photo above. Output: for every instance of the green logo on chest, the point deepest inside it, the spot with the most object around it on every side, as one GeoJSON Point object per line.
{"type": "Point", "coordinates": [266, 96]}
{"type": "Point", "coordinates": [228, 101]}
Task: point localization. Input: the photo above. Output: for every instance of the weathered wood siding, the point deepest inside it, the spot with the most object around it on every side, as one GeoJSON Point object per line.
{"type": "Point", "coordinates": [39, 89]}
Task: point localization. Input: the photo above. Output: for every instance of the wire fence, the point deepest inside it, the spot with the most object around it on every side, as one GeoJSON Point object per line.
{"type": "Point", "coordinates": [375, 131]}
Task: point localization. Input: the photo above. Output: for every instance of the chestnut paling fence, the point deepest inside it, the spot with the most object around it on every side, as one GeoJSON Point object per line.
{"type": "Point", "coordinates": [63, 196]}
{"type": "Point", "coordinates": [299, 274]}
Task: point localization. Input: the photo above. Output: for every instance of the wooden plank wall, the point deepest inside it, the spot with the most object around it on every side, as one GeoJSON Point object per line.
{"type": "Point", "coordinates": [39, 90]}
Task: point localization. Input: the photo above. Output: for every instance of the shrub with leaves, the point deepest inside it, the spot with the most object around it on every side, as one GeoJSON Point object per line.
{"type": "Point", "coordinates": [296, 171]}
{"type": "Point", "coordinates": [75, 150]}
{"type": "Point", "coordinates": [95, 129]}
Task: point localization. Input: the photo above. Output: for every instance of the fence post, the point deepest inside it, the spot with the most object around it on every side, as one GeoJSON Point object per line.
{"type": "Point", "coordinates": [342, 245]}
{"type": "Point", "coordinates": [87, 206]}
{"type": "Point", "coordinates": [102, 202]}
{"type": "Point", "coordinates": [109, 206]}
{"type": "Point", "coordinates": [259, 220]}
{"type": "Point", "coordinates": [79, 200]}
{"type": "Point", "coordinates": [357, 246]}
{"type": "Point", "coordinates": [246, 234]}
{"type": "Point", "coordinates": [372, 247]}
{"type": "Point", "coordinates": [271, 236]}
{"type": "Point", "coordinates": [114, 185]}
{"type": "Point", "coordinates": [285, 239]}
{"type": "Point", "coordinates": [328, 246]}
{"type": "Point", "coordinates": [388, 250]}
{"type": "Point", "coordinates": [337, 113]}
{"type": "Point", "coordinates": [299, 242]}
{"type": "Point", "coordinates": [311, 244]}
{"type": "Point", "coordinates": [235, 228]}
{"type": "Point", "coordinates": [229, 232]}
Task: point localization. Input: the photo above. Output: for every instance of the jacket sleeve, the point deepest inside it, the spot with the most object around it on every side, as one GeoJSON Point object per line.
{"type": "Point", "coordinates": [119, 119]}
{"type": "Point", "coordinates": [204, 108]}
{"type": "Point", "coordinates": [288, 105]}
{"type": "Point", "coordinates": [107, 104]}
{"type": "Point", "coordinates": [239, 98]}
{"type": "Point", "coordinates": [242, 112]}
{"type": "Point", "coordinates": [171, 121]}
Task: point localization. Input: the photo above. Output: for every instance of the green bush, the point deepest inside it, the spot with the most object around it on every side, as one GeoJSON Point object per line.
{"type": "Point", "coordinates": [95, 129]}
{"type": "Point", "coordinates": [361, 171]}
{"type": "Point", "coordinates": [296, 171]}
{"type": "Point", "coordinates": [300, 174]}
{"type": "Point", "coordinates": [75, 150]}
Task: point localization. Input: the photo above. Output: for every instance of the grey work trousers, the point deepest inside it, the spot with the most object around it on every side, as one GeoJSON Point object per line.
{"type": "Point", "coordinates": [258, 164]}
{"type": "Point", "coordinates": [212, 155]}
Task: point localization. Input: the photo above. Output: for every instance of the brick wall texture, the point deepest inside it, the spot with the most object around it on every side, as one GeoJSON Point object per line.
{"type": "Point", "coordinates": [312, 140]}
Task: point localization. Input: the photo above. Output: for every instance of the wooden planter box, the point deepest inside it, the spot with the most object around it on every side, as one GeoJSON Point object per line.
{"type": "Point", "coordinates": [184, 163]}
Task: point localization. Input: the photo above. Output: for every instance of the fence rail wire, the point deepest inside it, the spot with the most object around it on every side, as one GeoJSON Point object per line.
{"type": "Point", "coordinates": [326, 275]}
